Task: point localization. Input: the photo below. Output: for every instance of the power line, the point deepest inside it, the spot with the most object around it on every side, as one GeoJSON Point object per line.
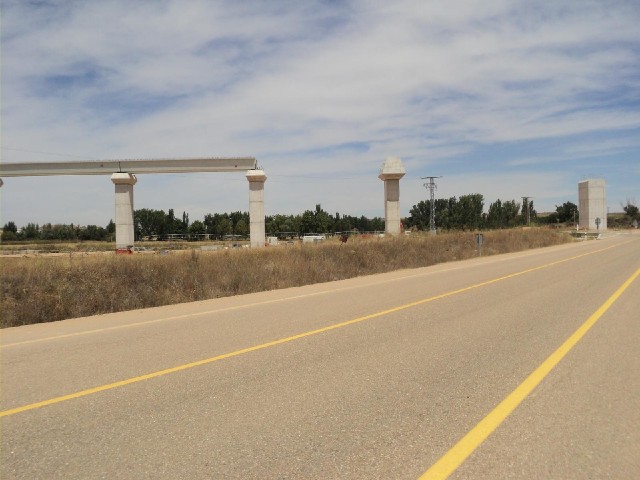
{"type": "Point", "coordinates": [48, 153]}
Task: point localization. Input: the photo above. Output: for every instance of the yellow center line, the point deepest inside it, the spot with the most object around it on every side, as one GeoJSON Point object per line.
{"type": "Point", "coordinates": [179, 368]}
{"type": "Point", "coordinates": [451, 460]}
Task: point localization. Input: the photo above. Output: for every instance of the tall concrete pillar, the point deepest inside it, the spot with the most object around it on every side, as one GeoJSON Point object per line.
{"type": "Point", "coordinates": [256, 207]}
{"type": "Point", "coordinates": [592, 204]}
{"type": "Point", "coordinates": [124, 183]}
{"type": "Point", "coordinates": [391, 173]}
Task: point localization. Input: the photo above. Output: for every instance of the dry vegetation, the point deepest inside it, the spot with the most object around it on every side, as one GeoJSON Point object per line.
{"type": "Point", "coordinates": [45, 289]}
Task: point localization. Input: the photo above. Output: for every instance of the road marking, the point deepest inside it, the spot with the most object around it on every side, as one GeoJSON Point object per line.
{"type": "Point", "coordinates": [179, 368]}
{"type": "Point", "coordinates": [276, 342]}
{"type": "Point", "coordinates": [265, 302]}
{"type": "Point", "coordinates": [451, 460]}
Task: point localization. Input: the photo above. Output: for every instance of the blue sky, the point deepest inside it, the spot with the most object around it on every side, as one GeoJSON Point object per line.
{"type": "Point", "coordinates": [503, 98]}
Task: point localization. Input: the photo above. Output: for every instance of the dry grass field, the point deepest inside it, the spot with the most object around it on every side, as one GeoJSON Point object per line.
{"type": "Point", "coordinates": [39, 288]}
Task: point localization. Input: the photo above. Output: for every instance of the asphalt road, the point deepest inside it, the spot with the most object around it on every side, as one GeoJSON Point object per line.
{"type": "Point", "coordinates": [377, 377]}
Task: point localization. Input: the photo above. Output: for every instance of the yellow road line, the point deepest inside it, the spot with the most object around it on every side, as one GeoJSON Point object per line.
{"type": "Point", "coordinates": [89, 391]}
{"type": "Point", "coordinates": [451, 460]}
{"type": "Point", "coordinates": [236, 307]}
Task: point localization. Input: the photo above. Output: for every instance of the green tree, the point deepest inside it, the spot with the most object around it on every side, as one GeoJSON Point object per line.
{"type": "Point", "coordinates": [308, 222]}
{"type": "Point", "coordinates": [496, 215]}
{"type": "Point", "coordinates": [92, 232]}
{"type": "Point", "coordinates": [296, 223]}
{"type": "Point", "coordinates": [234, 218]}
{"type": "Point", "coordinates": [30, 232]}
{"type": "Point", "coordinates": [567, 212]}
{"type": "Point", "coordinates": [323, 220]}
{"type": "Point", "coordinates": [470, 208]}
{"type": "Point", "coordinates": [278, 224]}
{"type": "Point", "coordinates": [9, 232]}
{"type": "Point", "coordinates": [451, 213]}
{"type": "Point", "coordinates": [223, 226]}
{"type": "Point", "coordinates": [10, 227]}
{"type": "Point", "coordinates": [213, 225]}
{"type": "Point", "coordinates": [511, 210]}
{"type": "Point", "coordinates": [503, 214]}
{"type": "Point", "coordinates": [419, 215]}
{"type": "Point", "coordinates": [149, 222]}
{"type": "Point", "coordinates": [47, 233]}
{"type": "Point", "coordinates": [342, 223]}
{"type": "Point", "coordinates": [197, 228]}
{"type": "Point", "coordinates": [377, 224]}
{"type": "Point", "coordinates": [175, 225]}
{"type": "Point", "coordinates": [242, 227]}
{"type": "Point", "coordinates": [444, 213]}
{"type": "Point", "coordinates": [631, 210]}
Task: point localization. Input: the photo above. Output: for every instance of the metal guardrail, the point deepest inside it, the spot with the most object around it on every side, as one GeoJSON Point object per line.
{"type": "Point", "coordinates": [586, 235]}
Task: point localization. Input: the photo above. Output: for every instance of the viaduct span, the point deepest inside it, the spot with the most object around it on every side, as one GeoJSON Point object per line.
{"type": "Point", "coordinates": [123, 175]}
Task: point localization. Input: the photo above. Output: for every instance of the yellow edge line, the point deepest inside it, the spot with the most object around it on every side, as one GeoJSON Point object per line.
{"type": "Point", "coordinates": [451, 460]}
{"type": "Point", "coordinates": [218, 310]}
{"type": "Point", "coordinates": [179, 368]}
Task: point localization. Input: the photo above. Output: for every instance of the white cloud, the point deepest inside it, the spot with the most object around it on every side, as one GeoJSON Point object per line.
{"type": "Point", "coordinates": [322, 89]}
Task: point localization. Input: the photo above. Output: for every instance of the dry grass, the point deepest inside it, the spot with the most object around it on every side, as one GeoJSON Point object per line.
{"type": "Point", "coordinates": [45, 289]}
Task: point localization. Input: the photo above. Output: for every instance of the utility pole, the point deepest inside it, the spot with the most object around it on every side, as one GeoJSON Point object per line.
{"type": "Point", "coordinates": [526, 211]}
{"type": "Point", "coordinates": [432, 188]}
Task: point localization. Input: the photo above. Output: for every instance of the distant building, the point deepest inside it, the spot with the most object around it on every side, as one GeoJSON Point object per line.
{"type": "Point", "coordinates": [592, 203]}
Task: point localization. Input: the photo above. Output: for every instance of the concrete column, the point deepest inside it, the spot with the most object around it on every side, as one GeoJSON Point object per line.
{"type": "Point", "coordinates": [256, 207]}
{"type": "Point", "coordinates": [391, 173]}
{"type": "Point", "coordinates": [124, 183]}
{"type": "Point", "coordinates": [592, 204]}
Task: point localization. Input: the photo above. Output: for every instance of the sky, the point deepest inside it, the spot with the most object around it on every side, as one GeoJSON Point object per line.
{"type": "Point", "coordinates": [505, 98]}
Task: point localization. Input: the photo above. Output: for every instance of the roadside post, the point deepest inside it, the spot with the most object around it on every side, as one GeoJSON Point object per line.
{"type": "Point", "coordinates": [479, 242]}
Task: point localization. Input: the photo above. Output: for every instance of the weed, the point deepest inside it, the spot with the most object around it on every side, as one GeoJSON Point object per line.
{"type": "Point", "coordinates": [45, 289]}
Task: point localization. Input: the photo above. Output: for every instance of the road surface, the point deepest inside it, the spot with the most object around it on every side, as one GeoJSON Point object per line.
{"type": "Point", "coordinates": [417, 373]}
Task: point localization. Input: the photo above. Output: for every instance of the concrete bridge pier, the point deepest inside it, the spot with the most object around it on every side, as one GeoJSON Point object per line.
{"type": "Point", "coordinates": [592, 204]}
{"type": "Point", "coordinates": [124, 183]}
{"type": "Point", "coordinates": [256, 180]}
{"type": "Point", "coordinates": [391, 172]}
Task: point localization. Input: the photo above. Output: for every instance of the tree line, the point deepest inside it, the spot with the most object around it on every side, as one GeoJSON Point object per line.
{"type": "Point", "coordinates": [158, 224]}
{"type": "Point", "coordinates": [463, 213]}
{"type": "Point", "coordinates": [467, 213]}
{"type": "Point", "coordinates": [59, 232]}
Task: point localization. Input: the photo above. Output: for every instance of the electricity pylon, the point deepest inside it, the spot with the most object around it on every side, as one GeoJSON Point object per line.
{"type": "Point", "coordinates": [432, 188]}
